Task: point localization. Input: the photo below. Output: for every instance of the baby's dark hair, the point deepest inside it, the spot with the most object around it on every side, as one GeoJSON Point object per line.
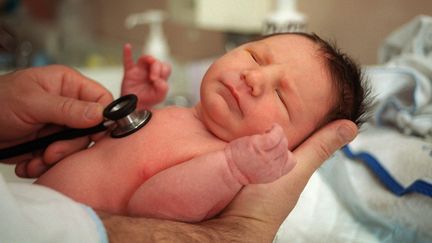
{"type": "Point", "coordinates": [352, 101]}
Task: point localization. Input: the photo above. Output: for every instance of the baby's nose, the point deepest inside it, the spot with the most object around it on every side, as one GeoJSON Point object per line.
{"type": "Point", "coordinates": [256, 80]}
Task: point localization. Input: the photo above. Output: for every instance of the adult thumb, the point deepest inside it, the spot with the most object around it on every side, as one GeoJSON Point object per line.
{"type": "Point", "coordinates": [68, 111]}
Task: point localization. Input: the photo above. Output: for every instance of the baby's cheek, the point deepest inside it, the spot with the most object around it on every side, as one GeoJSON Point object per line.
{"type": "Point", "coordinates": [295, 138]}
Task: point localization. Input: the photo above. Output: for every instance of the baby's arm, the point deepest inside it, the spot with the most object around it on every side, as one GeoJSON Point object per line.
{"type": "Point", "coordinates": [201, 187]}
{"type": "Point", "coordinates": [147, 78]}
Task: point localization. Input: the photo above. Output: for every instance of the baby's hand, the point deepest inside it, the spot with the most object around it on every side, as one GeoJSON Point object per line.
{"type": "Point", "coordinates": [260, 158]}
{"type": "Point", "coordinates": [147, 78]}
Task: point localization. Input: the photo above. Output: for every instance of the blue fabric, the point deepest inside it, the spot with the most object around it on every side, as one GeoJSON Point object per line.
{"type": "Point", "coordinates": [100, 227]}
{"type": "Point", "coordinates": [418, 186]}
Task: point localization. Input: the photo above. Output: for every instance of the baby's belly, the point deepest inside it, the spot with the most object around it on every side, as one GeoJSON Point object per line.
{"type": "Point", "coordinates": [106, 175]}
{"type": "Point", "coordinates": [104, 178]}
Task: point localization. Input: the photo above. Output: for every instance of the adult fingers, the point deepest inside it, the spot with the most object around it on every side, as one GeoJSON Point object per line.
{"type": "Point", "coordinates": [77, 86]}
{"type": "Point", "coordinates": [36, 167]}
{"type": "Point", "coordinates": [65, 97]}
{"type": "Point", "coordinates": [67, 111]}
{"type": "Point", "coordinates": [21, 169]}
{"type": "Point", "coordinates": [64, 81]}
{"type": "Point", "coordinates": [31, 168]}
{"type": "Point", "coordinates": [61, 149]}
{"type": "Point", "coordinates": [310, 155]}
{"type": "Point", "coordinates": [321, 145]}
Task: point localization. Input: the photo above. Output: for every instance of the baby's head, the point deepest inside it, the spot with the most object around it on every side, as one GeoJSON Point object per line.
{"type": "Point", "coordinates": [296, 80]}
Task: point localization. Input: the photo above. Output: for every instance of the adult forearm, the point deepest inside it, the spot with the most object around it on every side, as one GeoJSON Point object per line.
{"type": "Point", "coordinates": [228, 229]}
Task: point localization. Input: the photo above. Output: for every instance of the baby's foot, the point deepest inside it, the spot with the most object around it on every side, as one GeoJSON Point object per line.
{"type": "Point", "coordinates": [260, 158]}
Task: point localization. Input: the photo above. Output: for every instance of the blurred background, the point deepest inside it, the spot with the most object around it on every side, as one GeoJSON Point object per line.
{"type": "Point", "coordinates": [189, 34]}
{"type": "Point", "coordinates": [89, 34]}
{"type": "Point", "coordinates": [92, 32]}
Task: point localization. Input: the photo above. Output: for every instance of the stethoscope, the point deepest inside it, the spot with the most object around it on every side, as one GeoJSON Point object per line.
{"type": "Point", "coordinates": [120, 116]}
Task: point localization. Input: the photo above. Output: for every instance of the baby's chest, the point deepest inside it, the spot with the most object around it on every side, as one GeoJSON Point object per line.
{"type": "Point", "coordinates": [158, 147]}
{"type": "Point", "coordinates": [170, 150]}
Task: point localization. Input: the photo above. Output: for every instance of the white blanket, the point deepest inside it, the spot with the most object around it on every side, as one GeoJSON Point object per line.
{"type": "Point", "coordinates": [389, 217]}
{"type": "Point", "coordinates": [403, 84]}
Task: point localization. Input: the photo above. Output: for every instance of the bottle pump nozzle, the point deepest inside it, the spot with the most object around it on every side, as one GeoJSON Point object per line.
{"type": "Point", "coordinates": [286, 18]}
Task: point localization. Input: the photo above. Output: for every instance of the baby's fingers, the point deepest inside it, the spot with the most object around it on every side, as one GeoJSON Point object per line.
{"type": "Point", "coordinates": [273, 138]}
{"type": "Point", "coordinates": [155, 71]}
{"type": "Point", "coordinates": [127, 56]}
{"type": "Point", "coordinates": [165, 71]}
{"type": "Point", "coordinates": [146, 61]}
{"type": "Point", "coordinates": [161, 87]}
{"type": "Point", "coordinates": [159, 70]}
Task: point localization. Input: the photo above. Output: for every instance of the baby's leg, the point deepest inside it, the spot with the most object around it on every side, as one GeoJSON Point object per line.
{"type": "Point", "coordinates": [200, 188]}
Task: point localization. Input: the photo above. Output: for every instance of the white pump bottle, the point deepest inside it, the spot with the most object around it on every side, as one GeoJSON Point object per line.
{"type": "Point", "coordinates": [156, 44]}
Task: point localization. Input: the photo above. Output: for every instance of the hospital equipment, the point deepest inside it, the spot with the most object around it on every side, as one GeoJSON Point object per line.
{"type": "Point", "coordinates": [121, 117]}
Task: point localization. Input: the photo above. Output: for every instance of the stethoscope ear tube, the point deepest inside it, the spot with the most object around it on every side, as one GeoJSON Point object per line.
{"type": "Point", "coordinates": [121, 112]}
{"type": "Point", "coordinates": [43, 142]}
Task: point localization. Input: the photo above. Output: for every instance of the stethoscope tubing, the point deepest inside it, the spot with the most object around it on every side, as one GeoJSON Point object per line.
{"type": "Point", "coordinates": [43, 142]}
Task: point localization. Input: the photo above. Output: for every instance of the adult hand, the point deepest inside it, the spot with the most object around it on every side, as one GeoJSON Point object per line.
{"type": "Point", "coordinates": [256, 213]}
{"type": "Point", "coordinates": [37, 101]}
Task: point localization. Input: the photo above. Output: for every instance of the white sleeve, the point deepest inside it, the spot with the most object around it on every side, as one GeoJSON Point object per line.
{"type": "Point", "coordinates": [33, 213]}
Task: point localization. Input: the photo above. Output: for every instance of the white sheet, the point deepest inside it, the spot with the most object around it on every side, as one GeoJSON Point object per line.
{"type": "Point", "coordinates": [320, 216]}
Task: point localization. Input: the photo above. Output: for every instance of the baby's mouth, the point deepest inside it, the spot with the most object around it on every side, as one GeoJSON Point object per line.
{"type": "Point", "coordinates": [231, 97]}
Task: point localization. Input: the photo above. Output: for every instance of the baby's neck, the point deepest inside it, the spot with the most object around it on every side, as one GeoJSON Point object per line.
{"type": "Point", "coordinates": [197, 113]}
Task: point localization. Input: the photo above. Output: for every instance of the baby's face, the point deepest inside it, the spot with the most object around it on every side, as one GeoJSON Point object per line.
{"type": "Point", "coordinates": [281, 79]}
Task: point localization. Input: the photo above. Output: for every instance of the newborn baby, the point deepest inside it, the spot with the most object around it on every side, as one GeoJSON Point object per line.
{"type": "Point", "coordinates": [187, 164]}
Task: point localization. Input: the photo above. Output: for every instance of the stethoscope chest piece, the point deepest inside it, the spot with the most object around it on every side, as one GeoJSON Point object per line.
{"type": "Point", "coordinates": [127, 120]}
{"type": "Point", "coordinates": [134, 122]}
